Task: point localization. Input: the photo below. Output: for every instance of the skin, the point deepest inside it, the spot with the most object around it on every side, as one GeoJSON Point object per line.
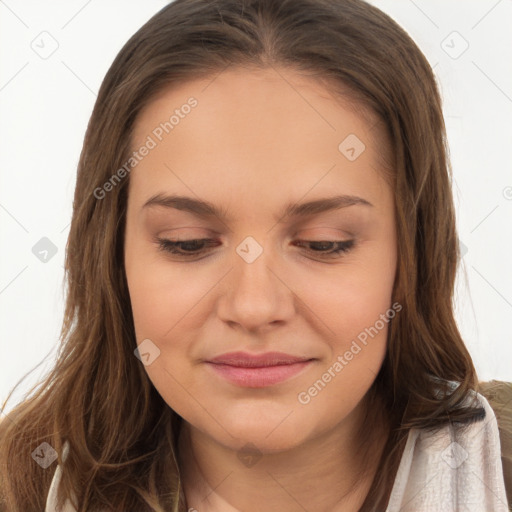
{"type": "Point", "coordinates": [256, 141]}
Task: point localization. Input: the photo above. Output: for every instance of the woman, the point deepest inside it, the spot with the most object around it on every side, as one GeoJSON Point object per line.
{"type": "Point", "coordinates": [260, 277]}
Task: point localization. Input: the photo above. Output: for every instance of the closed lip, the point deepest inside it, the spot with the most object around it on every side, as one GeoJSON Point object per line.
{"type": "Point", "coordinates": [247, 360]}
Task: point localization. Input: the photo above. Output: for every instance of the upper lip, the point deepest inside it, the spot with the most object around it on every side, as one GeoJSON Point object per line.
{"type": "Point", "coordinates": [244, 359]}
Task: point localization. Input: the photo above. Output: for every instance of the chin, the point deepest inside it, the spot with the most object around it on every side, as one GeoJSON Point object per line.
{"type": "Point", "coordinates": [269, 433]}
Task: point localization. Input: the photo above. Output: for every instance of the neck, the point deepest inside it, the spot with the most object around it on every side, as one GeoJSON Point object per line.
{"type": "Point", "coordinates": [323, 474]}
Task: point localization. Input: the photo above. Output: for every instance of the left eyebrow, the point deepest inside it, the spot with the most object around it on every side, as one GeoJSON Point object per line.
{"type": "Point", "coordinates": [206, 209]}
{"type": "Point", "coordinates": [318, 206]}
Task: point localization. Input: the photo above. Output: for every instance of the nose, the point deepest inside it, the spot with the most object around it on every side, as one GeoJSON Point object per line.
{"type": "Point", "coordinates": [255, 296]}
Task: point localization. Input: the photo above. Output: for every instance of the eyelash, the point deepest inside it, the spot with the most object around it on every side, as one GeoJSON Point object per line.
{"type": "Point", "coordinates": [172, 247]}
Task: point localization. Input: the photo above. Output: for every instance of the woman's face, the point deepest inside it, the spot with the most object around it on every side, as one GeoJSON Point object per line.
{"type": "Point", "coordinates": [256, 146]}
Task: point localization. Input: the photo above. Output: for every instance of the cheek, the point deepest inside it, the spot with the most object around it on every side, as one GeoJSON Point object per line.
{"type": "Point", "coordinates": [353, 296]}
{"type": "Point", "coordinates": [357, 310]}
{"type": "Point", "coordinates": [164, 297]}
{"type": "Point", "coordinates": [166, 304]}
{"type": "Point", "coordinates": [358, 319]}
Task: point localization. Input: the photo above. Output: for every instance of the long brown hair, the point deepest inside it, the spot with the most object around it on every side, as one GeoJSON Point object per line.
{"type": "Point", "coordinates": [98, 396]}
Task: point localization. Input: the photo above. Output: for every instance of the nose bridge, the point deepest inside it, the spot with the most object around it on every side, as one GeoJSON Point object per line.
{"type": "Point", "coordinates": [255, 296]}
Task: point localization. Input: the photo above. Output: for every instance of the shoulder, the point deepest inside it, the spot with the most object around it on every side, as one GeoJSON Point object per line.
{"type": "Point", "coordinates": [457, 461]}
{"type": "Point", "coordinates": [472, 450]}
{"type": "Point", "coordinates": [499, 396]}
{"type": "Point", "coordinates": [483, 428]}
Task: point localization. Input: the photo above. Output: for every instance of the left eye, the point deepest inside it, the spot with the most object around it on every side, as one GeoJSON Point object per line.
{"type": "Point", "coordinates": [195, 247]}
{"type": "Point", "coordinates": [185, 247]}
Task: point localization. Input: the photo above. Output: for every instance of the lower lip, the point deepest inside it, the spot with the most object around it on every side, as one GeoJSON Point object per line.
{"type": "Point", "coordinates": [258, 377]}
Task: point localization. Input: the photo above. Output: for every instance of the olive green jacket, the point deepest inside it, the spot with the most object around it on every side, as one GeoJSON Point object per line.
{"type": "Point", "coordinates": [499, 395]}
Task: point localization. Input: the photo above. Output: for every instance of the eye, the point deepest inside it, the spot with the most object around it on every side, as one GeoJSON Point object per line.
{"type": "Point", "coordinates": [197, 247]}
{"type": "Point", "coordinates": [185, 248]}
{"type": "Point", "coordinates": [319, 247]}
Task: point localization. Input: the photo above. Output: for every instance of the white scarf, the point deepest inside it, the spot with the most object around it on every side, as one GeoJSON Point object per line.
{"type": "Point", "coordinates": [452, 470]}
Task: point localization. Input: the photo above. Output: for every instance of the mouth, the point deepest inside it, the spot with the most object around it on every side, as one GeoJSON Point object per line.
{"type": "Point", "coordinates": [258, 371]}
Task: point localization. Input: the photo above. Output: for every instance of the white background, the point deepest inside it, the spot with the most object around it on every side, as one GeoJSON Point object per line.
{"type": "Point", "coordinates": [45, 104]}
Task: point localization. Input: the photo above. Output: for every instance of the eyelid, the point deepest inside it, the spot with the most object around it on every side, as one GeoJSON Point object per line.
{"type": "Point", "coordinates": [172, 247]}
{"type": "Point", "coordinates": [202, 229]}
{"type": "Point", "coordinates": [330, 233]}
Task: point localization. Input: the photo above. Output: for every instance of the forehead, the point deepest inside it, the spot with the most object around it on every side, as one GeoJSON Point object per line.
{"type": "Point", "coordinates": [261, 130]}
{"type": "Point", "coordinates": [286, 95]}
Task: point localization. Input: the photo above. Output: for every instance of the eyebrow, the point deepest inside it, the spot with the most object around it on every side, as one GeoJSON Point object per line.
{"type": "Point", "coordinates": [205, 209]}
